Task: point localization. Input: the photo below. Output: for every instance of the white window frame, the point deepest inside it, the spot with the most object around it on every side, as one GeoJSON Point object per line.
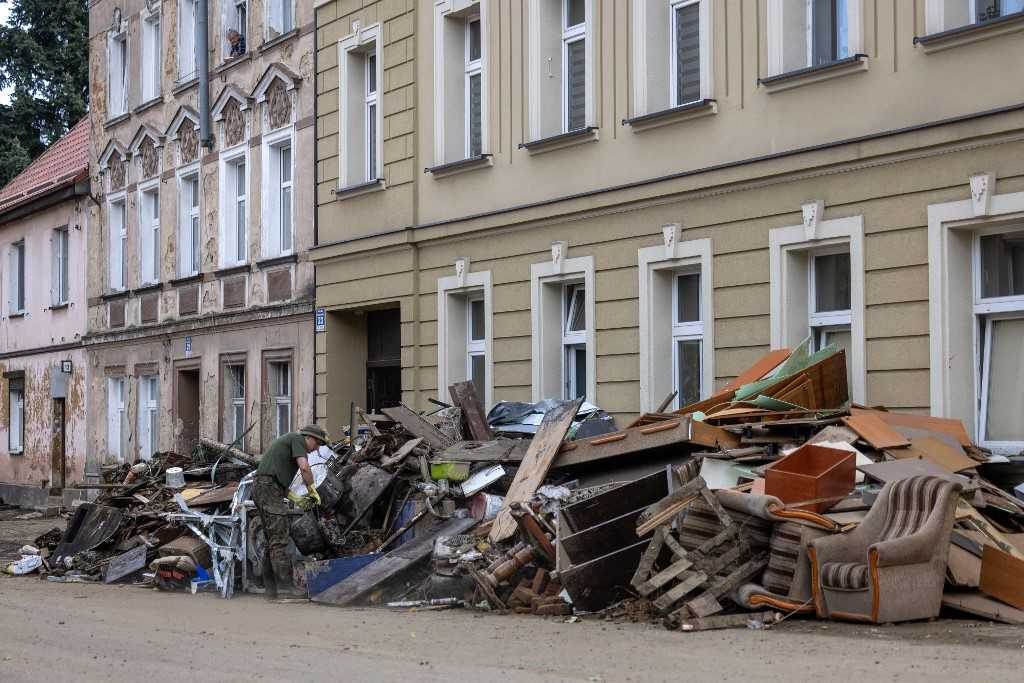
{"type": "Point", "coordinates": [273, 188]}
{"type": "Point", "coordinates": [235, 404]}
{"type": "Point", "coordinates": [452, 63]}
{"type": "Point", "coordinates": [547, 319]}
{"type": "Point", "coordinates": [653, 37]}
{"type": "Point", "coordinates": [149, 416]}
{"type": "Point", "coordinates": [790, 249]}
{"type": "Point", "coordinates": [352, 60]}
{"type": "Point", "coordinates": [231, 252]}
{"type": "Point", "coordinates": [60, 254]}
{"type": "Point", "coordinates": [116, 414]}
{"type": "Point", "coordinates": [280, 394]}
{"type": "Point", "coordinates": [473, 68]}
{"type": "Point", "coordinates": [149, 232]}
{"type": "Point", "coordinates": [117, 72]}
{"type": "Point", "coordinates": [453, 348]}
{"type": "Point", "coordinates": [280, 18]}
{"type": "Point", "coordinates": [371, 106]}
{"type": "Point", "coordinates": [540, 15]}
{"type": "Point", "coordinates": [187, 219]}
{"type": "Point", "coordinates": [824, 322]}
{"type": "Point", "coordinates": [658, 266]}
{"type": "Point", "coordinates": [954, 339]}
{"type": "Point", "coordinates": [117, 268]}
{"type": "Point", "coordinates": [16, 416]}
{"type": "Point", "coordinates": [152, 55]}
{"type": "Point", "coordinates": [936, 21]}
{"type": "Point", "coordinates": [188, 62]}
{"type": "Point", "coordinates": [572, 340]}
{"type": "Point", "coordinates": [17, 295]}
{"type": "Point", "coordinates": [779, 15]}
{"type": "Point", "coordinates": [572, 34]}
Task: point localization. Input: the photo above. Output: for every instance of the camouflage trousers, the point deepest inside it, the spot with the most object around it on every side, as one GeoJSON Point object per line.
{"type": "Point", "coordinates": [269, 498]}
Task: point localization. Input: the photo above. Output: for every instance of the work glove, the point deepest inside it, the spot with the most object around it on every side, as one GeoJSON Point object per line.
{"type": "Point", "coordinates": [312, 496]}
{"type": "Point", "coordinates": [296, 498]}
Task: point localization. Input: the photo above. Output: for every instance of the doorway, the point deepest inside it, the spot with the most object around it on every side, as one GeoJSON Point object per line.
{"type": "Point", "coordinates": [187, 404]}
{"type": "Point", "coordinates": [383, 359]}
{"type": "Point", "coordinates": [58, 451]}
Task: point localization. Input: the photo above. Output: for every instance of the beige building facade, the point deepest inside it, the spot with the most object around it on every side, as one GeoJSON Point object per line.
{"type": "Point", "coordinates": [618, 200]}
{"type": "Point", "coordinates": [200, 286]}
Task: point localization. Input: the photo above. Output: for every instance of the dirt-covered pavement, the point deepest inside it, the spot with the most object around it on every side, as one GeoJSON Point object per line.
{"type": "Point", "coordinates": [124, 633]}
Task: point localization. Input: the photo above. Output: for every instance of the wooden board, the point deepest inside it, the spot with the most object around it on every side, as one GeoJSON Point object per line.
{"type": "Point", "coordinates": [595, 541]}
{"type": "Point", "coordinates": [827, 388]}
{"type": "Point", "coordinates": [417, 426]}
{"type": "Point", "coordinates": [877, 433]}
{"type": "Point", "coordinates": [894, 470]}
{"type": "Point", "coordinates": [934, 424]}
{"type": "Point", "coordinates": [1002, 577]}
{"type": "Point", "coordinates": [221, 495]}
{"type": "Point", "coordinates": [125, 564]}
{"type": "Point", "coordinates": [596, 584]}
{"type": "Point", "coordinates": [500, 450]}
{"type": "Point", "coordinates": [615, 502]}
{"type": "Point", "coordinates": [534, 468]}
{"type": "Point", "coordinates": [937, 452]}
{"type": "Point", "coordinates": [464, 396]}
{"type": "Point", "coordinates": [982, 606]}
{"type": "Point", "coordinates": [762, 367]}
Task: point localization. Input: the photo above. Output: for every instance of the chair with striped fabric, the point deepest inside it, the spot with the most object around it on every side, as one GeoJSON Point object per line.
{"type": "Point", "coordinates": [892, 567]}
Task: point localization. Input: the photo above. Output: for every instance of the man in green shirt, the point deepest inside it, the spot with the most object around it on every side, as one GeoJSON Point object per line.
{"type": "Point", "coordinates": [285, 456]}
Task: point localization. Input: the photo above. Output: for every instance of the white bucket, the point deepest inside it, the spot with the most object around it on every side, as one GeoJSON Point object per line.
{"type": "Point", "coordinates": [484, 506]}
{"type": "Point", "coordinates": [175, 478]}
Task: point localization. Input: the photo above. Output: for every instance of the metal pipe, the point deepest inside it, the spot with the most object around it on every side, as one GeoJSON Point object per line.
{"type": "Point", "coordinates": [203, 54]}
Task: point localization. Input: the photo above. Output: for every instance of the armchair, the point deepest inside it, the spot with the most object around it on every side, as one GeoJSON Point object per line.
{"type": "Point", "coordinates": [893, 566]}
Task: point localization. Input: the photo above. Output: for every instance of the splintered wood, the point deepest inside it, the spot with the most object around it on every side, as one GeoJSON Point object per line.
{"type": "Point", "coordinates": [692, 581]}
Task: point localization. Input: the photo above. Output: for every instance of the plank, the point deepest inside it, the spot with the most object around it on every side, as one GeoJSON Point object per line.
{"type": "Point", "coordinates": [936, 452]}
{"type": "Point", "coordinates": [125, 564]}
{"type": "Point", "coordinates": [966, 511]}
{"type": "Point", "coordinates": [1002, 577]}
{"type": "Point", "coordinates": [877, 433]}
{"type": "Point", "coordinates": [615, 502]}
{"type": "Point", "coordinates": [894, 470]}
{"type": "Point", "coordinates": [759, 369]}
{"type": "Point", "coordinates": [647, 439]}
{"type": "Point", "coordinates": [598, 583]}
{"type": "Point", "coordinates": [402, 453]}
{"type": "Point", "coordinates": [534, 468]}
{"type": "Point", "coordinates": [417, 426]}
{"type": "Point", "coordinates": [499, 450]}
{"type": "Point", "coordinates": [464, 396]}
{"type": "Point", "coordinates": [934, 424]}
{"type": "Point", "coordinates": [982, 606]}
{"type": "Point", "coordinates": [728, 621]}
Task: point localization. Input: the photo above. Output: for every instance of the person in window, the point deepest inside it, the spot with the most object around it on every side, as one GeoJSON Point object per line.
{"type": "Point", "coordinates": [237, 41]}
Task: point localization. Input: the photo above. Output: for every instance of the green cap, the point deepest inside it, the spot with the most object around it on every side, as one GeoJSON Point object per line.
{"type": "Point", "coordinates": [315, 431]}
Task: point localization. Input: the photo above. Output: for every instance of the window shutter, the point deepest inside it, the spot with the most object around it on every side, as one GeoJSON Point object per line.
{"type": "Point", "coordinates": [687, 53]}
{"type": "Point", "coordinates": [577, 85]}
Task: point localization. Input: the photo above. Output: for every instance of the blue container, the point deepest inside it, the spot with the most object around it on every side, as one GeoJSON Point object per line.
{"type": "Point", "coordinates": [322, 575]}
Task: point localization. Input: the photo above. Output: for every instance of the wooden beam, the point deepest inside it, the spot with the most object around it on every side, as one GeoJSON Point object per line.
{"type": "Point", "coordinates": [464, 396]}
{"type": "Point", "coordinates": [417, 426]}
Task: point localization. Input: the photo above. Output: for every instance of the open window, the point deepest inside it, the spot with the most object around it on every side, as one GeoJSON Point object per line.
{"type": "Point", "coordinates": [149, 232]}
{"type": "Point", "coordinates": [118, 244]}
{"type": "Point", "coordinates": [117, 72]}
{"type": "Point", "coordinates": [187, 64]}
{"type": "Point", "coordinates": [234, 215]}
{"type": "Point", "coordinates": [188, 223]}
{"type": "Point", "coordinates": [804, 34]}
{"type": "Point", "coordinates": [561, 67]}
{"type": "Point", "coordinates": [234, 28]}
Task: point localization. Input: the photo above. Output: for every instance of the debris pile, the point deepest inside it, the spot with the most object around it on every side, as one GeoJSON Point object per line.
{"type": "Point", "coordinates": [774, 497]}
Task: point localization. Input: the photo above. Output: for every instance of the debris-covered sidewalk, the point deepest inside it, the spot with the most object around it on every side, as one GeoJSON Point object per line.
{"type": "Point", "coordinates": [773, 498]}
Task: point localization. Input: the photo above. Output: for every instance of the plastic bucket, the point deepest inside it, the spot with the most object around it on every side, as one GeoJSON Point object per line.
{"type": "Point", "coordinates": [174, 478]}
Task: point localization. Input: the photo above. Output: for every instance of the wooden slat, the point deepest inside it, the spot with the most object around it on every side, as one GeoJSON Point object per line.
{"type": "Point", "coordinates": [983, 606]}
{"type": "Point", "coordinates": [500, 450]}
{"type": "Point", "coordinates": [942, 425]}
{"type": "Point", "coordinates": [417, 426]}
{"type": "Point", "coordinates": [615, 502]}
{"type": "Point", "coordinates": [464, 396]}
{"type": "Point", "coordinates": [676, 432]}
{"type": "Point", "coordinates": [927, 448]}
{"type": "Point", "coordinates": [877, 433]}
{"type": "Point", "coordinates": [534, 468]}
{"type": "Point", "coordinates": [762, 367]}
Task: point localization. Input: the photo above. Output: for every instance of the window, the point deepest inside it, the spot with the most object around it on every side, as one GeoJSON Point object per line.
{"type": "Point", "coordinates": [809, 33]}
{"type": "Point", "coordinates": [234, 415]}
{"type": "Point", "coordinates": [186, 40]}
{"type": "Point", "coordinates": [944, 15]}
{"type": "Point", "coordinates": [999, 315]}
{"type": "Point", "coordinates": [687, 338]}
{"type": "Point", "coordinates": [149, 234]}
{"type": "Point", "coordinates": [234, 219]}
{"type": "Point", "coordinates": [117, 74]}
{"type": "Point", "coordinates": [671, 54]}
{"type": "Point", "coordinates": [460, 80]}
{"type": "Point", "coordinates": [116, 427]}
{"type": "Point", "coordinates": [16, 415]}
{"type": "Point", "coordinates": [149, 416]}
{"type": "Point", "coordinates": [560, 67]}
{"type": "Point", "coordinates": [118, 245]}
{"type": "Point", "coordinates": [16, 279]}
{"type": "Point", "coordinates": [234, 19]}
{"type": "Point", "coordinates": [574, 341]}
{"type": "Point", "coordinates": [685, 59]}
{"type": "Point", "coordinates": [476, 348]}
{"type": "Point", "coordinates": [59, 266]}
{"type": "Point", "coordinates": [360, 142]}
{"type": "Point", "coordinates": [240, 16]}
{"type": "Point", "coordinates": [281, 397]}
{"type": "Point", "coordinates": [464, 331]}
{"type": "Point", "coordinates": [152, 60]}
{"type": "Point", "coordinates": [280, 17]}
{"type": "Point", "coordinates": [829, 317]}
{"type": "Point", "coordinates": [188, 225]}
{"type": "Point", "coordinates": [370, 115]}
{"type": "Point", "coordinates": [474, 93]}
{"type": "Point", "coordinates": [278, 238]}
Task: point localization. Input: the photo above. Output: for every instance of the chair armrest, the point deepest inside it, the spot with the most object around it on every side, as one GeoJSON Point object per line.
{"type": "Point", "coordinates": [916, 548]}
{"type": "Point", "coordinates": [840, 548]}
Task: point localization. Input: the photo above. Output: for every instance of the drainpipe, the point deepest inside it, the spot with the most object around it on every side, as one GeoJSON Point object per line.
{"type": "Point", "coordinates": [203, 50]}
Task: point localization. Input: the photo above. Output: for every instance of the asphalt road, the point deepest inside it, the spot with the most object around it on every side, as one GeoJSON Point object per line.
{"type": "Point", "coordinates": [85, 632]}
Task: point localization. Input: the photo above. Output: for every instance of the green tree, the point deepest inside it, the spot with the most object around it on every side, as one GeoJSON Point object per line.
{"type": "Point", "coordinates": [44, 63]}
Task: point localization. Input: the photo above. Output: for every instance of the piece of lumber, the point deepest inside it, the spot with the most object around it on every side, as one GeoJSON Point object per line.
{"type": "Point", "coordinates": [943, 425]}
{"type": "Point", "coordinates": [878, 434]}
{"type": "Point", "coordinates": [497, 451]}
{"type": "Point", "coordinates": [247, 458]}
{"type": "Point", "coordinates": [221, 495]}
{"type": "Point", "coordinates": [402, 452]}
{"type": "Point", "coordinates": [391, 565]}
{"type": "Point", "coordinates": [894, 470]}
{"type": "Point", "coordinates": [759, 369]}
{"type": "Point", "coordinates": [934, 451]}
{"type": "Point", "coordinates": [598, 583]}
{"type": "Point", "coordinates": [125, 564]}
{"type": "Point", "coordinates": [965, 511]}
{"type": "Point", "coordinates": [982, 606]}
{"type": "Point", "coordinates": [729, 621]}
{"type": "Point", "coordinates": [534, 468]}
{"type": "Point", "coordinates": [1002, 577]}
{"type": "Point", "coordinates": [465, 397]}
{"type": "Point", "coordinates": [414, 423]}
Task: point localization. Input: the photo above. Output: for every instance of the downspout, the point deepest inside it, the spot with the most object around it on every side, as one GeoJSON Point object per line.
{"type": "Point", "coordinates": [203, 52]}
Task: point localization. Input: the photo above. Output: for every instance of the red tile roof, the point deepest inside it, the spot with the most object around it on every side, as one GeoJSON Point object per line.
{"type": "Point", "coordinates": [65, 162]}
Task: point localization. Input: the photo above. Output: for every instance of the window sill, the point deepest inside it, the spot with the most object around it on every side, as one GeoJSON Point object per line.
{"type": "Point", "coordinates": [665, 117]}
{"type": "Point", "coordinates": [460, 166]}
{"type": "Point", "coordinates": [16, 315]}
{"type": "Point", "coordinates": [814, 74]}
{"type": "Point", "coordinates": [148, 104]}
{"type": "Point", "coordinates": [184, 86]}
{"type": "Point", "coordinates": [277, 261]}
{"type": "Point", "coordinates": [16, 451]}
{"type": "Point", "coordinates": [232, 270]}
{"type": "Point", "coordinates": [561, 141]}
{"type": "Point", "coordinates": [971, 33]}
{"type": "Point", "coordinates": [232, 62]}
{"type": "Point", "coordinates": [360, 189]}
{"type": "Point", "coordinates": [120, 118]}
{"type": "Point", "coordinates": [187, 280]}
{"type": "Point", "coordinates": [278, 40]}
{"type": "Point", "coordinates": [144, 289]}
{"type": "Point", "coordinates": [61, 307]}
{"type": "Point", "coordinates": [114, 296]}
